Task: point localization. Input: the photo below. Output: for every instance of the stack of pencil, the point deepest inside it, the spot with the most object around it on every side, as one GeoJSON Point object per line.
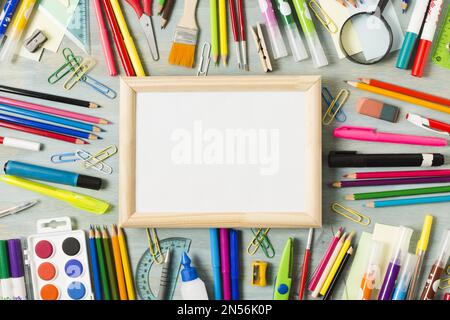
{"type": "Point", "coordinates": [110, 265]}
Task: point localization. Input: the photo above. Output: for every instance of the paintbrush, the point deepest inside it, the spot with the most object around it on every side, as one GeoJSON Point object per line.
{"type": "Point", "coordinates": [185, 38]}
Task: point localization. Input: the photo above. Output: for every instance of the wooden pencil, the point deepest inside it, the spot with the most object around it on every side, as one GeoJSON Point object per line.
{"type": "Point", "coordinates": [102, 265]}
{"type": "Point", "coordinates": [126, 265]}
{"type": "Point", "coordinates": [338, 274]}
{"type": "Point", "coordinates": [118, 262]}
{"type": "Point", "coordinates": [397, 193]}
{"type": "Point", "coordinates": [223, 33]}
{"type": "Point", "coordinates": [109, 265]}
{"type": "Point", "coordinates": [389, 182]}
{"type": "Point", "coordinates": [398, 174]}
{"type": "Point", "coordinates": [167, 13]}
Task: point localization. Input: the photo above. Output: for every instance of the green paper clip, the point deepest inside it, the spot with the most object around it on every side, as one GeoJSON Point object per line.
{"type": "Point", "coordinates": [261, 240]}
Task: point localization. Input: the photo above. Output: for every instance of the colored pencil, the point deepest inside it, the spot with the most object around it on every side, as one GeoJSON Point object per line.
{"type": "Point", "coordinates": [104, 38]}
{"type": "Point", "coordinates": [408, 201]}
{"type": "Point", "coordinates": [326, 257]}
{"type": "Point", "coordinates": [48, 97]}
{"type": "Point", "coordinates": [397, 193]}
{"type": "Point", "coordinates": [39, 132]}
{"type": "Point", "coordinates": [118, 40]}
{"type": "Point", "coordinates": [388, 182]}
{"type": "Point", "coordinates": [94, 265]}
{"type": "Point", "coordinates": [352, 2]}
{"type": "Point", "coordinates": [126, 265]}
{"type": "Point", "coordinates": [167, 13]}
{"type": "Point", "coordinates": [118, 263]}
{"type": "Point", "coordinates": [406, 91]}
{"type": "Point", "coordinates": [305, 265]}
{"type": "Point", "coordinates": [342, 2]}
{"type": "Point", "coordinates": [50, 118]}
{"type": "Point", "coordinates": [48, 127]}
{"type": "Point", "coordinates": [109, 265]}
{"type": "Point", "coordinates": [214, 31]}
{"type": "Point", "coordinates": [223, 33]}
{"type": "Point", "coordinates": [338, 274]}
{"type": "Point", "coordinates": [51, 110]}
{"type": "Point", "coordinates": [102, 265]}
{"type": "Point", "coordinates": [399, 96]}
{"type": "Point", "coordinates": [161, 4]}
{"type": "Point", "coordinates": [398, 174]}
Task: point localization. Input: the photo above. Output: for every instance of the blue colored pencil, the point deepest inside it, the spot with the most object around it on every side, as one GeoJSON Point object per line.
{"type": "Point", "coordinates": [48, 127]}
{"type": "Point", "coordinates": [407, 201]}
{"type": "Point", "coordinates": [94, 265]}
{"type": "Point", "coordinates": [215, 262]}
{"type": "Point", "coordinates": [50, 118]}
{"type": "Point", "coordinates": [234, 257]}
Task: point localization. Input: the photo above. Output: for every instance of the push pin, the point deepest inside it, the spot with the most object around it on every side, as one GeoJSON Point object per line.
{"type": "Point", "coordinates": [36, 41]}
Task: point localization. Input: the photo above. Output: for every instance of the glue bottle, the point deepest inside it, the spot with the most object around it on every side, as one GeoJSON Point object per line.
{"type": "Point", "coordinates": [192, 287]}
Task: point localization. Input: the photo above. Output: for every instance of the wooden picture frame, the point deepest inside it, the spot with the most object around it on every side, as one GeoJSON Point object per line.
{"type": "Point", "coordinates": [131, 87]}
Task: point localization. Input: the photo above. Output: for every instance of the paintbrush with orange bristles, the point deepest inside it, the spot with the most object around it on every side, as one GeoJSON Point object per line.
{"type": "Point", "coordinates": [185, 38]}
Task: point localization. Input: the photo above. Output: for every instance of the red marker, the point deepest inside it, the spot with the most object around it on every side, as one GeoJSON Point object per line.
{"type": "Point", "coordinates": [429, 124]}
{"type": "Point", "coordinates": [426, 39]}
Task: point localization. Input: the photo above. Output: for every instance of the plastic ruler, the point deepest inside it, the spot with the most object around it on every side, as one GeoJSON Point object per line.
{"type": "Point", "coordinates": [441, 52]}
{"type": "Point", "coordinates": [78, 28]}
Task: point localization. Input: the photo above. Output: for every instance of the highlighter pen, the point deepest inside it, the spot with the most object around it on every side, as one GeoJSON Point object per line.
{"type": "Point", "coordinates": [6, 17]}
{"type": "Point", "coordinates": [295, 40]}
{"type": "Point", "coordinates": [215, 262]}
{"type": "Point", "coordinates": [276, 39]}
{"type": "Point", "coordinates": [401, 290]}
{"type": "Point", "coordinates": [16, 269]}
{"type": "Point", "coordinates": [372, 278]}
{"type": "Point", "coordinates": [426, 38]}
{"type": "Point", "coordinates": [77, 200]}
{"type": "Point", "coordinates": [412, 33]}
{"type": "Point", "coordinates": [312, 39]}
{"type": "Point", "coordinates": [225, 263]}
{"type": "Point", "coordinates": [393, 269]}
{"type": "Point", "coordinates": [17, 28]}
{"type": "Point", "coordinates": [234, 256]}
{"type": "Point", "coordinates": [421, 248]}
{"type": "Point", "coordinates": [30, 171]}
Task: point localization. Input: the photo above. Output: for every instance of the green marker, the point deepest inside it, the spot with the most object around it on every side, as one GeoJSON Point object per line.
{"type": "Point", "coordinates": [312, 39]}
{"type": "Point", "coordinates": [295, 41]}
{"type": "Point", "coordinates": [6, 289]}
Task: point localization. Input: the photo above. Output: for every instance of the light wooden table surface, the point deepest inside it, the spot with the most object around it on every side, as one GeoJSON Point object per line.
{"type": "Point", "coordinates": [27, 74]}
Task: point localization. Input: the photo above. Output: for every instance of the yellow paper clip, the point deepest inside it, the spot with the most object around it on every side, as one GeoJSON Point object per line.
{"type": "Point", "coordinates": [444, 284]}
{"type": "Point", "coordinates": [153, 246]}
{"type": "Point", "coordinates": [64, 69]}
{"type": "Point", "coordinates": [78, 73]}
{"type": "Point", "coordinates": [257, 240]}
{"type": "Point", "coordinates": [259, 269]}
{"type": "Point", "coordinates": [340, 100]}
{"type": "Point", "coordinates": [350, 214]}
{"type": "Point", "coordinates": [101, 156]}
{"type": "Point", "coordinates": [323, 17]}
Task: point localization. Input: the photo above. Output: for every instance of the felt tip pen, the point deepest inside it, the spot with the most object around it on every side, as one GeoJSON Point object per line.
{"type": "Point", "coordinates": [396, 262]}
{"type": "Point", "coordinates": [234, 257]}
{"type": "Point", "coordinates": [6, 285]}
{"type": "Point", "coordinates": [215, 262]}
{"type": "Point", "coordinates": [401, 289]}
{"type": "Point", "coordinates": [6, 16]}
{"type": "Point", "coordinates": [295, 40]}
{"type": "Point", "coordinates": [20, 144]}
{"type": "Point", "coordinates": [412, 33]}
{"type": "Point", "coordinates": [34, 172]}
{"type": "Point", "coordinates": [225, 262]}
{"type": "Point", "coordinates": [371, 279]}
{"type": "Point", "coordinates": [77, 200]}
{"type": "Point", "coordinates": [276, 39]}
{"type": "Point", "coordinates": [312, 39]}
{"type": "Point", "coordinates": [16, 269]}
{"type": "Point", "coordinates": [429, 124]}
{"type": "Point", "coordinates": [426, 38]}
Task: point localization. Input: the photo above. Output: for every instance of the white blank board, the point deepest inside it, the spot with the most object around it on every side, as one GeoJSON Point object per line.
{"type": "Point", "coordinates": [209, 152]}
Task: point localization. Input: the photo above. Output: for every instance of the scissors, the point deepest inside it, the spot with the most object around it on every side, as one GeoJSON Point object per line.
{"type": "Point", "coordinates": [284, 277]}
{"type": "Point", "coordinates": [145, 18]}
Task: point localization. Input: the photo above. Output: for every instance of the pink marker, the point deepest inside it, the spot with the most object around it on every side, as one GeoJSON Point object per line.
{"type": "Point", "coordinates": [276, 39]}
{"type": "Point", "coordinates": [225, 263]}
{"type": "Point", "coordinates": [371, 134]}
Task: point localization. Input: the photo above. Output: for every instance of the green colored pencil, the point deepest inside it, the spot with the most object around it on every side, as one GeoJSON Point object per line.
{"type": "Point", "coordinates": [397, 193]}
{"type": "Point", "coordinates": [109, 265]}
{"type": "Point", "coordinates": [161, 6]}
{"type": "Point", "coordinates": [214, 30]}
{"type": "Point", "coordinates": [101, 264]}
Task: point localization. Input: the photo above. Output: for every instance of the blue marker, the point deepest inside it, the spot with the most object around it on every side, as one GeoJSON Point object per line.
{"type": "Point", "coordinates": [6, 16]}
{"type": "Point", "coordinates": [234, 256]}
{"type": "Point", "coordinates": [29, 171]}
{"type": "Point", "coordinates": [412, 33]}
{"type": "Point", "coordinates": [215, 262]}
{"type": "Point", "coordinates": [406, 275]}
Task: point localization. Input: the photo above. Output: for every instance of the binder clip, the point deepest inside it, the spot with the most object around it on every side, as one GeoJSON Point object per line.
{"type": "Point", "coordinates": [35, 41]}
{"type": "Point", "coordinates": [262, 48]}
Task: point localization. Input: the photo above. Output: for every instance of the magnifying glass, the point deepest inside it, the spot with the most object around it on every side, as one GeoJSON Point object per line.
{"type": "Point", "coordinates": [373, 31]}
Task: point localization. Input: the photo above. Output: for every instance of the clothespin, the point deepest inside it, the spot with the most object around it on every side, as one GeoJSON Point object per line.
{"type": "Point", "coordinates": [262, 48]}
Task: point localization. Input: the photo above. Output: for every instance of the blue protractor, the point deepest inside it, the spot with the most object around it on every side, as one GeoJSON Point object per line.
{"type": "Point", "coordinates": [142, 279]}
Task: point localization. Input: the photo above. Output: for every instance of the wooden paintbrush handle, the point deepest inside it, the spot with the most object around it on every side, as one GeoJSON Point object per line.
{"type": "Point", "coordinates": [188, 19]}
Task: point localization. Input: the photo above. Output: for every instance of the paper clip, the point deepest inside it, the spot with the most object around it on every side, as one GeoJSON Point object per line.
{"type": "Point", "coordinates": [63, 70]}
{"type": "Point", "coordinates": [101, 156]}
{"type": "Point", "coordinates": [79, 73]}
{"type": "Point", "coordinates": [327, 99]}
{"type": "Point", "coordinates": [261, 240]}
{"type": "Point", "coordinates": [323, 17]}
{"type": "Point", "coordinates": [99, 87]}
{"type": "Point", "coordinates": [204, 60]}
{"type": "Point", "coordinates": [339, 102]}
{"type": "Point", "coordinates": [100, 166]}
{"type": "Point", "coordinates": [350, 214]}
{"type": "Point", "coordinates": [153, 246]}
{"type": "Point", "coordinates": [65, 157]}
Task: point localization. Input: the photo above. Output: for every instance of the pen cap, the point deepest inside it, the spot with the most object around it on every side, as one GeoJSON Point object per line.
{"type": "Point", "coordinates": [315, 47]}
{"type": "Point", "coordinates": [339, 159]}
{"type": "Point", "coordinates": [295, 42]}
{"type": "Point", "coordinates": [188, 273]}
{"type": "Point", "coordinates": [401, 249]}
{"type": "Point", "coordinates": [4, 267]}
{"type": "Point", "coordinates": [445, 249]}
{"type": "Point", "coordinates": [373, 265]}
{"type": "Point", "coordinates": [15, 258]}
{"type": "Point", "coordinates": [422, 244]}
{"type": "Point", "coordinates": [277, 43]}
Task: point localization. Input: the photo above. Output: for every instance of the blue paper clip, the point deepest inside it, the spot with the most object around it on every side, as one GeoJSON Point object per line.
{"type": "Point", "coordinates": [327, 99]}
{"type": "Point", "coordinates": [65, 157]}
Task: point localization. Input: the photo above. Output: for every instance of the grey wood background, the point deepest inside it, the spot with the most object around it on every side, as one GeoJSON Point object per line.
{"type": "Point", "coordinates": [34, 76]}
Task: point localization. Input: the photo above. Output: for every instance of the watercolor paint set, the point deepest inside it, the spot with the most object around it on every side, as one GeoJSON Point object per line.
{"type": "Point", "coordinates": [58, 262]}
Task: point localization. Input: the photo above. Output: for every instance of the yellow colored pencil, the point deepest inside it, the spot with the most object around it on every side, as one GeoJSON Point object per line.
{"type": "Point", "coordinates": [126, 265]}
{"type": "Point", "coordinates": [128, 39]}
{"type": "Point", "coordinates": [118, 263]}
{"type": "Point", "coordinates": [223, 31]}
{"type": "Point", "coordinates": [399, 96]}
{"type": "Point", "coordinates": [336, 265]}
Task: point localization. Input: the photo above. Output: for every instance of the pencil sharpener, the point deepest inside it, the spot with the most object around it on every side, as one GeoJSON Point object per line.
{"type": "Point", "coordinates": [259, 269]}
{"type": "Point", "coordinates": [35, 41]}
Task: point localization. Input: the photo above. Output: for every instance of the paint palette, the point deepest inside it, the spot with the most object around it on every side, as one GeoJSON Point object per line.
{"type": "Point", "coordinates": [58, 261]}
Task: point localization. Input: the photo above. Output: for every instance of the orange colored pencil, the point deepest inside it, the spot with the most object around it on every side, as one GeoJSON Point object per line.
{"type": "Point", "coordinates": [118, 262]}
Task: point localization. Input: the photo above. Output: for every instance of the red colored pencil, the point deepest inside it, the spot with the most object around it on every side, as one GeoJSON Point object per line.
{"type": "Point", "coordinates": [40, 132]}
{"type": "Point", "coordinates": [406, 91]}
{"type": "Point", "coordinates": [398, 174]}
{"type": "Point", "coordinates": [118, 40]}
{"type": "Point", "coordinates": [305, 265]}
